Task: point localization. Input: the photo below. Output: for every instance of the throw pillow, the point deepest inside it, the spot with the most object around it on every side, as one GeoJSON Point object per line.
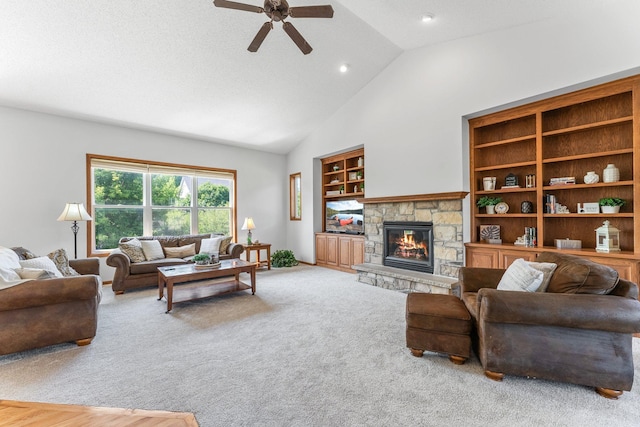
{"type": "Point", "coordinates": [133, 249]}
{"type": "Point", "coordinates": [181, 252]}
{"type": "Point", "coordinates": [224, 245]}
{"type": "Point", "coordinates": [8, 258]}
{"type": "Point", "coordinates": [60, 259]}
{"type": "Point", "coordinates": [547, 269]}
{"type": "Point", "coordinates": [152, 249]}
{"type": "Point", "coordinates": [521, 277]}
{"type": "Point", "coordinates": [34, 273]}
{"type": "Point", "coordinates": [42, 263]}
{"type": "Point", "coordinates": [211, 245]}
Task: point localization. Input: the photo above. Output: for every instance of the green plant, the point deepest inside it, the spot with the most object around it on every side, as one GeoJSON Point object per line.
{"type": "Point", "coordinates": [488, 201]}
{"type": "Point", "coordinates": [283, 258]}
{"type": "Point", "coordinates": [201, 258]}
{"type": "Point", "coordinates": [611, 201]}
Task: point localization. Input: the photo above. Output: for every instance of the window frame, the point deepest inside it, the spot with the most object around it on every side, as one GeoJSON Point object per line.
{"type": "Point", "coordinates": [148, 168]}
{"type": "Point", "coordinates": [295, 196]}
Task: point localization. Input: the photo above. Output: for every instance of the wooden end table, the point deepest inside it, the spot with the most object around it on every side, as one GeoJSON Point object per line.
{"type": "Point", "coordinates": [201, 280]}
{"type": "Point", "coordinates": [257, 248]}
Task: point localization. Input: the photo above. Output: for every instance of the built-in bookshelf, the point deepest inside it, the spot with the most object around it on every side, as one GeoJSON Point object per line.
{"type": "Point", "coordinates": [539, 144]}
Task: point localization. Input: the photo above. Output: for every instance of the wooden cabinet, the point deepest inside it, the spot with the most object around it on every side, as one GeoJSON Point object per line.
{"type": "Point", "coordinates": [564, 136]}
{"type": "Point", "coordinates": [339, 251]}
{"type": "Point", "coordinates": [342, 178]}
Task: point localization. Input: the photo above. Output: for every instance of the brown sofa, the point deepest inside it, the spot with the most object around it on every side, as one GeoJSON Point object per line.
{"type": "Point", "coordinates": [578, 331]}
{"type": "Point", "coordinates": [39, 313]}
{"type": "Point", "coordinates": [132, 275]}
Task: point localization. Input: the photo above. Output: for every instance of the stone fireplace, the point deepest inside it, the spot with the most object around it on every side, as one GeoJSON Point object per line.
{"type": "Point", "coordinates": [444, 212]}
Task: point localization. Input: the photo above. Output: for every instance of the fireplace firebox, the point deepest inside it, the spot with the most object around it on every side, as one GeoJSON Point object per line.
{"type": "Point", "coordinates": [408, 245]}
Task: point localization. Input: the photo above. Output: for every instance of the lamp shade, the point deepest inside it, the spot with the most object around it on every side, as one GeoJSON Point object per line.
{"type": "Point", "coordinates": [248, 224]}
{"type": "Point", "coordinates": [74, 212]}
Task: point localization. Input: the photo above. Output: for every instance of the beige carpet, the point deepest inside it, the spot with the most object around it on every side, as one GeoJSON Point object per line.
{"type": "Point", "coordinates": [313, 347]}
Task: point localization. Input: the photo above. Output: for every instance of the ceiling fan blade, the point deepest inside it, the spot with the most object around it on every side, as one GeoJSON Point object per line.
{"type": "Point", "coordinates": [297, 38]}
{"type": "Point", "coordinates": [259, 38]}
{"type": "Point", "coordinates": [238, 6]}
{"type": "Point", "coordinates": [311, 12]}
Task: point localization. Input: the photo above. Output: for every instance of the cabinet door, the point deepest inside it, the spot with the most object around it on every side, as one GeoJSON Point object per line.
{"type": "Point", "coordinates": [482, 257]}
{"type": "Point", "coordinates": [358, 251]}
{"type": "Point", "coordinates": [344, 252]}
{"type": "Point", "coordinates": [321, 249]}
{"type": "Point", "coordinates": [332, 250]}
{"type": "Point", "coordinates": [507, 257]}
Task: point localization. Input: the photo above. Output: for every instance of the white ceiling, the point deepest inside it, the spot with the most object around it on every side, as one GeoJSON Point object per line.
{"type": "Point", "coordinates": [181, 67]}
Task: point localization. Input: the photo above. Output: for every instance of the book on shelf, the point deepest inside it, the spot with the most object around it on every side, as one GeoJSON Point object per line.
{"type": "Point", "coordinates": [562, 180]}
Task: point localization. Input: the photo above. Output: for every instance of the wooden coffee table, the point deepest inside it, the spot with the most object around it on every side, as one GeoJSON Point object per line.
{"type": "Point", "coordinates": [199, 283]}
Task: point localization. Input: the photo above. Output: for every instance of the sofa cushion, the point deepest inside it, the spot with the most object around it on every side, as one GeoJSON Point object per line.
{"type": "Point", "coordinates": [181, 251]}
{"type": "Point", "coordinates": [576, 275]}
{"type": "Point", "coordinates": [60, 259]}
{"type": "Point", "coordinates": [520, 276]}
{"type": "Point", "coordinates": [133, 249]}
{"type": "Point", "coordinates": [152, 266]}
{"type": "Point", "coordinates": [42, 263]}
{"type": "Point", "coordinates": [24, 253]}
{"type": "Point", "coordinates": [152, 249]}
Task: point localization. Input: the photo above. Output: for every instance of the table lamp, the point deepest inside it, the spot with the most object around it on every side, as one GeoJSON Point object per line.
{"type": "Point", "coordinates": [74, 212]}
{"type": "Point", "coordinates": [248, 225]}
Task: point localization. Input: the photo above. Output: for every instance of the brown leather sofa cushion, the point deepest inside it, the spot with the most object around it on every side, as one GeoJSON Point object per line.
{"type": "Point", "coordinates": [575, 275]}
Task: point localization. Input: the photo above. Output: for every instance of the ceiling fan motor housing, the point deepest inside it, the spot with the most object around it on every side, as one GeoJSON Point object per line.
{"type": "Point", "coordinates": [276, 9]}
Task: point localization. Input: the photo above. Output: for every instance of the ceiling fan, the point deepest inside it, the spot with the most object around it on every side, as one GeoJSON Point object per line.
{"type": "Point", "coordinates": [278, 10]}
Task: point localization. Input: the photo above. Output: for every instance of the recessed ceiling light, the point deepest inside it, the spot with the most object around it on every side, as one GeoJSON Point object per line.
{"type": "Point", "coordinates": [427, 18]}
{"type": "Point", "coordinates": [344, 68]}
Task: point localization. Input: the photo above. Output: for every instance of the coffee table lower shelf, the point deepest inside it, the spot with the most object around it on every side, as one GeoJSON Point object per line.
{"type": "Point", "coordinates": [206, 289]}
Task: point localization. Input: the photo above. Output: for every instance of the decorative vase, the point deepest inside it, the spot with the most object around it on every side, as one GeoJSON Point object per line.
{"type": "Point", "coordinates": [611, 173]}
{"type": "Point", "coordinates": [491, 209]}
{"type": "Point", "coordinates": [591, 177]}
{"type": "Point", "coordinates": [526, 207]}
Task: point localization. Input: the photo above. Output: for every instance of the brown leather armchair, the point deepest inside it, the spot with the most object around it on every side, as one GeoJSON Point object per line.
{"type": "Point", "coordinates": [581, 334]}
{"type": "Point", "coordinates": [40, 313]}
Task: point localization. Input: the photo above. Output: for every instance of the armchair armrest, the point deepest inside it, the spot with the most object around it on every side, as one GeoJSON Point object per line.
{"type": "Point", "coordinates": [86, 265]}
{"type": "Point", "coordinates": [472, 279]}
{"type": "Point", "coordinates": [36, 293]}
{"type": "Point", "coordinates": [579, 311]}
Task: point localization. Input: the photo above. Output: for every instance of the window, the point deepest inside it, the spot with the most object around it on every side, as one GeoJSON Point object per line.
{"type": "Point", "coordinates": [136, 198]}
{"type": "Point", "coordinates": [295, 197]}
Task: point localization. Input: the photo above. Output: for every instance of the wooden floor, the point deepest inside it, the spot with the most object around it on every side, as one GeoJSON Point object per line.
{"type": "Point", "coordinates": [22, 414]}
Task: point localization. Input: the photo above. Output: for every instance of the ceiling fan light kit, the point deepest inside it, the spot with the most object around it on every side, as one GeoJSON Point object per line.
{"type": "Point", "coordinates": [279, 10]}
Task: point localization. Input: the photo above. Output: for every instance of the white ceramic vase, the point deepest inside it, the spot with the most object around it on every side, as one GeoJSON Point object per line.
{"type": "Point", "coordinates": [491, 209]}
{"type": "Point", "coordinates": [611, 173]}
{"type": "Point", "coordinates": [591, 177]}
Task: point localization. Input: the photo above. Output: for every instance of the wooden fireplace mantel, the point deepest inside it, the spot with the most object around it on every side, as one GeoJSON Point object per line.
{"type": "Point", "coordinates": [454, 195]}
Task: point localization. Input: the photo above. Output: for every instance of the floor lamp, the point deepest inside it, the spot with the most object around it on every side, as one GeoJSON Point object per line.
{"type": "Point", "coordinates": [74, 212]}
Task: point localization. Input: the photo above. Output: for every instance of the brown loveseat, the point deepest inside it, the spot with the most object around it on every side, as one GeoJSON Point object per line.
{"type": "Point", "coordinates": [39, 313]}
{"type": "Point", "coordinates": [578, 331]}
{"type": "Point", "coordinates": [132, 275]}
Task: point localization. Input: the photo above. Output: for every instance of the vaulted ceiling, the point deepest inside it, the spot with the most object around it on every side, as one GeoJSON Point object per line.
{"type": "Point", "coordinates": [182, 67]}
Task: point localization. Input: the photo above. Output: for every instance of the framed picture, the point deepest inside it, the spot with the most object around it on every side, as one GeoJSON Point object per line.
{"type": "Point", "coordinates": [489, 232]}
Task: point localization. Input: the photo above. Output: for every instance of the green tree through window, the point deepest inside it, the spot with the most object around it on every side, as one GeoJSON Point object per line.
{"type": "Point", "coordinates": [133, 199]}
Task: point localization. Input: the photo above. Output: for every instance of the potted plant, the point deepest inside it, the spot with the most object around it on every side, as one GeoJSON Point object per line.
{"type": "Point", "coordinates": [611, 204]}
{"type": "Point", "coordinates": [359, 175]}
{"type": "Point", "coordinates": [488, 202]}
{"type": "Point", "coordinates": [283, 258]}
{"type": "Point", "coordinates": [336, 167]}
{"type": "Point", "coordinates": [202, 259]}
{"type": "Point", "coordinates": [341, 189]}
